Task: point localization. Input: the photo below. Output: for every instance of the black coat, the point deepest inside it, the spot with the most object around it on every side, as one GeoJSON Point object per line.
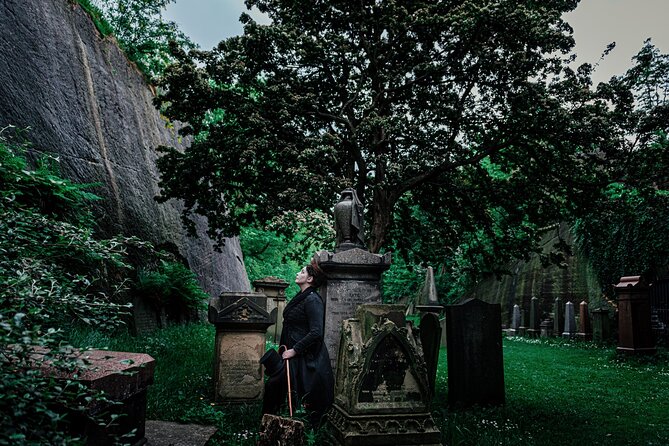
{"type": "Point", "coordinates": [303, 324]}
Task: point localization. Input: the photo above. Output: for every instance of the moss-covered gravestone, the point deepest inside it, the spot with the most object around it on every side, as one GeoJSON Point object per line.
{"type": "Point", "coordinates": [241, 321]}
{"type": "Point", "coordinates": [382, 394]}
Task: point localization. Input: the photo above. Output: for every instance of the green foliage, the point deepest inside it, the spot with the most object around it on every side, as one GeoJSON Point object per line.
{"type": "Point", "coordinates": [140, 30]}
{"type": "Point", "coordinates": [459, 123]}
{"type": "Point", "coordinates": [172, 285]}
{"type": "Point", "coordinates": [97, 16]}
{"type": "Point", "coordinates": [627, 231]}
{"type": "Point", "coordinates": [52, 273]}
{"type": "Point", "coordinates": [554, 390]}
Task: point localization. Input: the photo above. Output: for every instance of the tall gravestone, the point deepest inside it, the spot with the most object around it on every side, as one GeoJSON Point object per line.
{"type": "Point", "coordinates": [569, 321]}
{"type": "Point", "coordinates": [241, 321]}
{"type": "Point", "coordinates": [584, 332]}
{"type": "Point", "coordinates": [382, 392]}
{"type": "Point", "coordinates": [430, 328]}
{"type": "Point", "coordinates": [275, 290]}
{"type": "Point", "coordinates": [353, 273]}
{"type": "Point", "coordinates": [558, 316]}
{"type": "Point", "coordinates": [635, 335]}
{"type": "Point", "coordinates": [515, 321]}
{"type": "Point", "coordinates": [474, 352]}
{"type": "Point", "coordinates": [601, 325]}
{"type": "Point", "coordinates": [534, 328]}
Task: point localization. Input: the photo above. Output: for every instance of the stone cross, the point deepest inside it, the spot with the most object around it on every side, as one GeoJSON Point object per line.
{"type": "Point", "coordinates": [275, 290]}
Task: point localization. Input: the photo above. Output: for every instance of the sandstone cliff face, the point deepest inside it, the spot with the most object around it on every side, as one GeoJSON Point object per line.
{"type": "Point", "coordinates": [85, 103]}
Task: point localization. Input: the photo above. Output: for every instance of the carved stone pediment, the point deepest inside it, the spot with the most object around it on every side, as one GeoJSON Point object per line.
{"type": "Point", "coordinates": [245, 309]}
{"type": "Point", "coordinates": [382, 387]}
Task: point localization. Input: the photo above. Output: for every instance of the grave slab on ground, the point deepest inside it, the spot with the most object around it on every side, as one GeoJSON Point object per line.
{"type": "Point", "coordinates": [165, 433]}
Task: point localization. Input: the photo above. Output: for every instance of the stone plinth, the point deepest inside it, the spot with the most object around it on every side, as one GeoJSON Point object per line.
{"type": "Point", "coordinates": [635, 335]}
{"type": "Point", "coordinates": [275, 290]}
{"type": "Point", "coordinates": [353, 279]}
{"type": "Point", "coordinates": [474, 352]}
{"type": "Point", "coordinates": [124, 378]}
{"type": "Point", "coordinates": [241, 321]}
{"type": "Point", "coordinates": [382, 392]}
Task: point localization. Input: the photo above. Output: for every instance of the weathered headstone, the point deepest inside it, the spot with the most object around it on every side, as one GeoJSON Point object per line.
{"type": "Point", "coordinates": [524, 321]}
{"type": "Point", "coordinates": [275, 290]}
{"type": "Point", "coordinates": [601, 325]}
{"type": "Point", "coordinates": [635, 335]}
{"type": "Point", "coordinates": [430, 329]}
{"type": "Point", "coordinates": [353, 279]}
{"type": "Point", "coordinates": [546, 328]}
{"type": "Point", "coordinates": [241, 321]}
{"type": "Point", "coordinates": [382, 393]}
{"type": "Point", "coordinates": [584, 332]}
{"type": "Point", "coordinates": [515, 321]}
{"type": "Point", "coordinates": [533, 330]}
{"type": "Point", "coordinates": [558, 317]}
{"type": "Point", "coordinates": [124, 378]}
{"type": "Point", "coordinates": [569, 321]}
{"type": "Point", "coordinates": [475, 361]}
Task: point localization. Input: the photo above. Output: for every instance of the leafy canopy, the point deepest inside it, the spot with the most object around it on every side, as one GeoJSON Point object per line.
{"type": "Point", "coordinates": [462, 112]}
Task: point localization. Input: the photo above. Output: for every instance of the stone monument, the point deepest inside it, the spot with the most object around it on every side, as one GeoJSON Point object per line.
{"type": "Point", "coordinates": [635, 335]}
{"type": "Point", "coordinates": [275, 290]}
{"type": "Point", "coordinates": [430, 328]}
{"type": "Point", "coordinates": [584, 332]}
{"type": "Point", "coordinates": [515, 321]}
{"type": "Point", "coordinates": [475, 360]}
{"type": "Point", "coordinates": [241, 321]}
{"type": "Point", "coordinates": [601, 325]}
{"type": "Point", "coordinates": [534, 329]}
{"type": "Point", "coordinates": [569, 321]}
{"type": "Point", "coordinates": [353, 273]}
{"type": "Point", "coordinates": [382, 392]}
{"type": "Point", "coordinates": [349, 223]}
{"type": "Point", "coordinates": [558, 317]}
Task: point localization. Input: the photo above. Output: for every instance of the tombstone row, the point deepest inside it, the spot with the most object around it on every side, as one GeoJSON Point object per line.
{"type": "Point", "coordinates": [635, 334]}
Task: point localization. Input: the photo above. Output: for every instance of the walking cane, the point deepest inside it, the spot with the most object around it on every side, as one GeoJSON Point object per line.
{"type": "Point", "coordinates": [290, 398]}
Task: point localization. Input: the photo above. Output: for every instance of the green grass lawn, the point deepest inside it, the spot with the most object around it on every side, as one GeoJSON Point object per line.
{"type": "Point", "coordinates": [557, 393]}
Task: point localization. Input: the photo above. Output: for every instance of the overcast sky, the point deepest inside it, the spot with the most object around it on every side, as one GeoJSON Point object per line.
{"type": "Point", "coordinates": [596, 23]}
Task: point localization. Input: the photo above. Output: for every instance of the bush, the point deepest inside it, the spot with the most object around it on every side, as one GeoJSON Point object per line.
{"type": "Point", "coordinates": [173, 286]}
{"type": "Point", "coordinates": [53, 273]}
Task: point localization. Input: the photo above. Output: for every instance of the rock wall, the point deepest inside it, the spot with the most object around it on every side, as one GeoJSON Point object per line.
{"type": "Point", "coordinates": [84, 102]}
{"type": "Point", "coordinates": [575, 282]}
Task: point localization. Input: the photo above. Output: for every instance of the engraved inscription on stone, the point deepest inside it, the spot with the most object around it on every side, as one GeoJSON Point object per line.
{"type": "Point", "coordinates": [240, 374]}
{"type": "Point", "coordinates": [389, 378]}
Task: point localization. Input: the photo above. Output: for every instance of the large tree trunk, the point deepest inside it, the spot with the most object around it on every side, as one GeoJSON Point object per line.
{"type": "Point", "coordinates": [381, 216]}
